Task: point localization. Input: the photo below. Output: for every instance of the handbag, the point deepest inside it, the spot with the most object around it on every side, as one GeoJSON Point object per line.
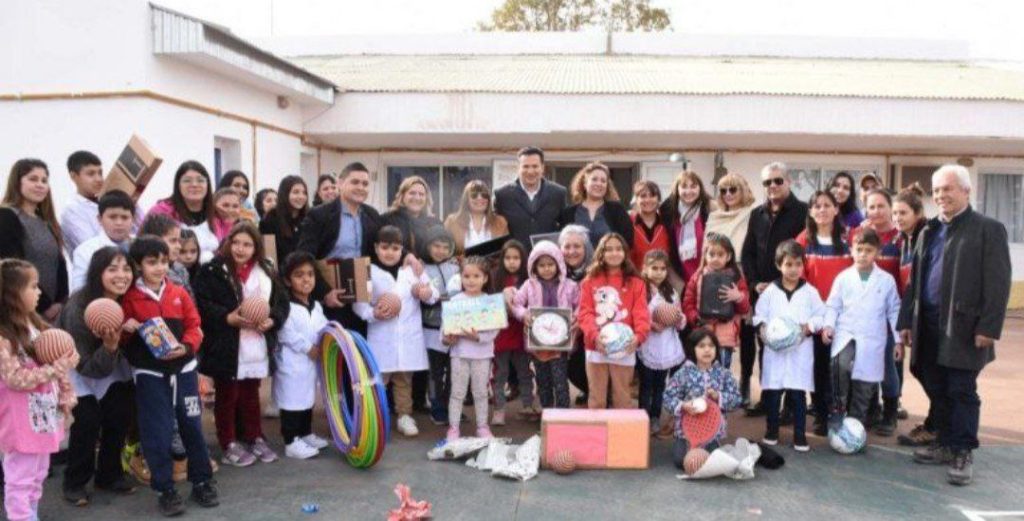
{"type": "Point", "coordinates": [711, 305]}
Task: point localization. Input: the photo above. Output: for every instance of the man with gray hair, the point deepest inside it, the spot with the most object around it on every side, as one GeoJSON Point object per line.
{"type": "Point", "coordinates": [952, 314]}
{"type": "Point", "coordinates": [780, 218]}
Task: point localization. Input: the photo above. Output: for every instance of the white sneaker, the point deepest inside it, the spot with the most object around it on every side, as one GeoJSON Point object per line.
{"type": "Point", "coordinates": [299, 449]}
{"type": "Point", "coordinates": [407, 425]}
{"type": "Point", "coordinates": [315, 441]}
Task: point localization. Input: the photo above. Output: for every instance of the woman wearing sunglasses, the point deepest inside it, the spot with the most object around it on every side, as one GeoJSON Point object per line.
{"type": "Point", "coordinates": [475, 221]}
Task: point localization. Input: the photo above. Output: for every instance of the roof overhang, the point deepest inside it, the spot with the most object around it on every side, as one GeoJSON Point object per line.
{"type": "Point", "coordinates": [215, 48]}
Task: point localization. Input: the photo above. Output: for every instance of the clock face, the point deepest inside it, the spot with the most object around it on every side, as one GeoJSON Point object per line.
{"type": "Point", "coordinates": [550, 328]}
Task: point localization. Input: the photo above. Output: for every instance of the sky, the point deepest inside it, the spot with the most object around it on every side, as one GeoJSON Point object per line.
{"type": "Point", "coordinates": [993, 28]}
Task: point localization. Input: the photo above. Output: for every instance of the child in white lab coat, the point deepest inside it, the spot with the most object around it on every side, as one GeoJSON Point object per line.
{"type": "Point", "coordinates": [395, 331]}
{"type": "Point", "coordinates": [790, 370]}
{"type": "Point", "coordinates": [295, 381]}
{"type": "Point", "coordinates": [861, 310]}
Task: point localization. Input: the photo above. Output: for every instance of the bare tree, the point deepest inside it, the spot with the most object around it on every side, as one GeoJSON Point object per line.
{"type": "Point", "coordinates": [574, 15]}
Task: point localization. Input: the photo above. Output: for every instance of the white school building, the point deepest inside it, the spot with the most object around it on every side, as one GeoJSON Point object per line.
{"type": "Point", "coordinates": [89, 74]}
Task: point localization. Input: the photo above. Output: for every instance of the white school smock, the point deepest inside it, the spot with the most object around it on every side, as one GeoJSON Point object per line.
{"type": "Point", "coordinates": [396, 344]}
{"type": "Point", "coordinates": [864, 312]}
{"type": "Point", "coordinates": [295, 380]}
{"type": "Point", "coordinates": [792, 368]}
{"type": "Point", "coordinates": [662, 350]}
{"type": "Point", "coordinates": [253, 357]}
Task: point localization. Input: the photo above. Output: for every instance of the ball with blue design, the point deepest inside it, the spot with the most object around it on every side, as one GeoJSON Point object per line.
{"type": "Point", "coordinates": [616, 337]}
{"type": "Point", "coordinates": [782, 333]}
{"type": "Point", "coordinates": [849, 437]}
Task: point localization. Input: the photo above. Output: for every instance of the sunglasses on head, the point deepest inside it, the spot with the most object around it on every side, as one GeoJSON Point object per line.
{"type": "Point", "coordinates": [728, 190]}
{"type": "Point", "coordinates": [777, 181]}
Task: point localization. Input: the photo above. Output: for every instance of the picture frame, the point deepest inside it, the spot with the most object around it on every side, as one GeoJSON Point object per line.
{"type": "Point", "coordinates": [551, 330]}
{"type": "Point", "coordinates": [485, 313]}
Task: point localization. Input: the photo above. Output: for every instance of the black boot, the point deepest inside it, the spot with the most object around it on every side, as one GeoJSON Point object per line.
{"type": "Point", "coordinates": [890, 410]}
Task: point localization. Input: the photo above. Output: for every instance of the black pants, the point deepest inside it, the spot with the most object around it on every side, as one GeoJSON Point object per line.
{"type": "Point", "coordinates": [796, 401]}
{"type": "Point", "coordinates": [103, 421]}
{"type": "Point", "coordinates": [955, 408]}
{"type": "Point", "coordinates": [822, 378]}
{"type": "Point", "coordinates": [652, 390]}
{"type": "Point", "coordinates": [850, 397]}
{"type": "Point", "coordinates": [440, 383]}
{"type": "Point", "coordinates": [296, 424]}
{"type": "Point", "coordinates": [748, 353]}
{"type": "Point", "coordinates": [578, 369]}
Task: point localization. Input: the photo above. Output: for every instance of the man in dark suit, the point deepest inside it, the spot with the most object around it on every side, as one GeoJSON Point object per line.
{"type": "Point", "coordinates": [952, 314]}
{"type": "Point", "coordinates": [531, 204]}
{"type": "Point", "coordinates": [780, 218]}
{"type": "Point", "coordinates": [341, 229]}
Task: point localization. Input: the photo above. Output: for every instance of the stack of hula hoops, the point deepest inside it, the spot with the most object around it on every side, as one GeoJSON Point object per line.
{"type": "Point", "coordinates": [358, 413]}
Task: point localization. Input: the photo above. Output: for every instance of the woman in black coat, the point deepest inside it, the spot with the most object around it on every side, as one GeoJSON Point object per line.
{"type": "Point", "coordinates": [412, 212]}
{"type": "Point", "coordinates": [596, 205]}
{"type": "Point", "coordinates": [283, 220]}
{"type": "Point", "coordinates": [235, 352]}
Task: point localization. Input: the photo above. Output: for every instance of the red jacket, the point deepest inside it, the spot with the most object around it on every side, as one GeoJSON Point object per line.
{"type": "Point", "coordinates": [728, 334]}
{"type": "Point", "coordinates": [822, 264]}
{"type": "Point", "coordinates": [642, 245]}
{"type": "Point", "coordinates": [178, 311]}
{"type": "Point", "coordinates": [512, 337]}
{"type": "Point", "coordinates": [631, 308]}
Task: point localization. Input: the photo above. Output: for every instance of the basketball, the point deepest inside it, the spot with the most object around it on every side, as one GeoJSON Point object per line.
{"type": "Point", "coordinates": [563, 462]}
{"type": "Point", "coordinates": [667, 315]}
{"type": "Point", "coordinates": [102, 314]}
{"type": "Point", "coordinates": [53, 344]}
{"type": "Point", "coordinates": [694, 460]}
{"type": "Point", "coordinates": [849, 438]}
{"type": "Point", "coordinates": [255, 310]}
{"type": "Point", "coordinates": [391, 301]}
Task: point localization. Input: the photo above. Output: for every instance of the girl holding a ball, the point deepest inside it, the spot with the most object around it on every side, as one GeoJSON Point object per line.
{"type": "Point", "coordinates": [242, 306]}
{"type": "Point", "coordinates": [102, 379]}
{"type": "Point", "coordinates": [663, 349]}
{"type": "Point", "coordinates": [35, 398]}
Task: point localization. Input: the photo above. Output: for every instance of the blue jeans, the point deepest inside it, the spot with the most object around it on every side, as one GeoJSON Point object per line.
{"type": "Point", "coordinates": [797, 402]}
{"type": "Point", "coordinates": [161, 400]}
{"type": "Point", "coordinates": [727, 358]}
{"type": "Point", "coordinates": [891, 384]}
{"type": "Point", "coordinates": [652, 390]}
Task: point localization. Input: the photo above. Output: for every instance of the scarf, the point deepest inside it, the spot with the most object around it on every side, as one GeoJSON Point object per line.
{"type": "Point", "coordinates": [687, 239]}
{"type": "Point", "coordinates": [245, 270]}
{"type": "Point", "coordinates": [731, 223]}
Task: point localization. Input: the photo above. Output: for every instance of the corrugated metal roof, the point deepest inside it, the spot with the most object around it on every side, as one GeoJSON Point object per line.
{"type": "Point", "coordinates": [590, 74]}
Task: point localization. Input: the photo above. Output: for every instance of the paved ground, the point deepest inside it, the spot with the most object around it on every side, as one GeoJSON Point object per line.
{"type": "Point", "coordinates": [881, 484]}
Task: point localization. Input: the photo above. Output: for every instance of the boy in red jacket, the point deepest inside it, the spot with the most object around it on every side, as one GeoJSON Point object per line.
{"type": "Point", "coordinates": [166, 388]}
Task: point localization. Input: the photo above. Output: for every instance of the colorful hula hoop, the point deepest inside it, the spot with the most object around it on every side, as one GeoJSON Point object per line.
{"type": "Point", "coordinates": [362, 430]}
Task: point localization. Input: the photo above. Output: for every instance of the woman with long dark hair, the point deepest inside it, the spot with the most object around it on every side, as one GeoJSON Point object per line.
{"type": "Point", "coordinates": [326, 189]}
{"type": "Point", "coordinates": [191, 204]}
{"type": "Point", "coordinates": [844, 190]}
{"type": "Point", "coordinates": [284, 220]}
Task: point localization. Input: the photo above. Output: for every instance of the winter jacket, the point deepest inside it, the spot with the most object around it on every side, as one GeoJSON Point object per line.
{"type": "Point", "coordinates": [531, 293]}
{"type": "Point", "coordinates": [217, 296]}
{"type": "Point", "coordinates": [764, 235]}
{"type": "Point", "coordinates": [607, 298]}
{"type": "Point", "coordinates": [173, 304]}
{"type": "Point", "coordinates": [642, 244]}
{"type": "Point", "coordinates": [691, 382]}
{"type": "Point", "coordinates": [728, 334]}
{"type": "Point", "coordinates": [823, 263]}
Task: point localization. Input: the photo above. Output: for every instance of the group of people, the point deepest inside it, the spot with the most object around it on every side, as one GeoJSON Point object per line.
{"type": "Point", "coordinates": [861, 288]}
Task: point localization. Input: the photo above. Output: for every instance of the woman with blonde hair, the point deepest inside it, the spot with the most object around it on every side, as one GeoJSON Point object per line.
{"type": "Point", "coordinates": [475, 221]}
{"type": "Point", "coordinates": [734, 203]}
{"type": "Point", "coordinates": [596, 205]}
{"type": "Point", "coordinates": [685, 215]}
{"type": "Point", "coordinates": [412, 211]}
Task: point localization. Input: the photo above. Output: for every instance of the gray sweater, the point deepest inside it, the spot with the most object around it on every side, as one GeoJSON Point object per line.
{"type": "Point", "coordinates": [96, 362]}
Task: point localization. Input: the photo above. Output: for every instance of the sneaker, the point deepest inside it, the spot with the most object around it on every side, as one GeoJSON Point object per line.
{"type": "Point", "coordinates": [961, 469]}
{"type": "Point", "coordinates": [261, 450]}
{"type": "Point", "coordinates": [138, 469]}
{"type": "Point", "coordinates": [439, 416]}
{"type": "Point", "coordinates": [407, 426]}
{"type": "Point", "coordinates": [581, 399]}
{"type": "Point", "coordinates": [498, 418]}
{"type": "Point", "coordinates": [299, 449]}
{"type": "Point", "coordinates": [771, 442]}
{"type": "Point", "coordinates": [755, 410]}
{"type": "Point", "coordinates": [919, 436]}
{"type": "Point", "coordinates": [800, 443]}
{"type": "Point", "coordinates": [180, 470]}
{"type": "Point", "coordinates": [902, 414]}
{"type": "Point", "coordinates": [316, 441]}
{"type": "Point", "coordinates": [933, 455]}
{"type": "Point", "coordinates": [205, 495]}
{"type": "Point", "coordinates": [453, 434]}
{"type": "Point", "coordinates": [484, 432]}
{"type": "Point", "coordinates": [237, 456]}
{"type": "Point", "coordinates": [171, 504]}
{"type": "Point", "coordinates": [120, 486]}
{"type": "Point", "coordinates": [214, 467]}
{"type": "Point", "coordinates": [76, 496]}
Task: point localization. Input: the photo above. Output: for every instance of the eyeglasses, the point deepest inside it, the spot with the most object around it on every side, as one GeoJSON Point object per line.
{"type": "Point", "coordinates": [777, 181]}
{"type": "Point", "coordinates": [193, 180]}
{"type": "Point", "coordinates": [728, 190]}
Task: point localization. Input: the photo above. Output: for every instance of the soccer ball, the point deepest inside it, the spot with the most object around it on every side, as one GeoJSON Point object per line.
{"type": "Point", "coordinates": [615, 337]}
{"type": "Point", "coordinates": [849, 438]}
{"type": "Point", "coordinates": [782, 333]}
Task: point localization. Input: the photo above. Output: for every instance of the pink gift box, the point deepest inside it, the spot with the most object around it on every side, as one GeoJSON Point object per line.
{"type": "Point", "coordinates": [598, 438]}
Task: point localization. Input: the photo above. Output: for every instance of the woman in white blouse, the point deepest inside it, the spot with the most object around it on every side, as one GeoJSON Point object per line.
{"type": "Point", "coordinates": [475, 221]}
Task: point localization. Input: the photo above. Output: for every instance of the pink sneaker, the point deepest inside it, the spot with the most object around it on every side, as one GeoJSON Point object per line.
{"type": "Point", "coordinates": [453, 433]}
{"type": "Point", "coordinates": [483, 432]}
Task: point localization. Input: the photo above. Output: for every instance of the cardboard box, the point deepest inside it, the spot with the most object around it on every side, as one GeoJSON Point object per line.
{"type": "Point", "coordinates": [351, 275]}
{"type": "Point", "coordinates": [597, 438]}
{"type": "Point", "coordinates": [133, 169]}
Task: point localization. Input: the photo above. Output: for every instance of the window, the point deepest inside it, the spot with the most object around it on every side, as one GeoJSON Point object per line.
{"type": "Point", "coordinates": [446, 183]}
{"type": "Point", "coordinates": [1003, 199]}
{"type": "Point", "coordinates": [227, 155]}
{"type": "Point", "coordinates": [809, 178]}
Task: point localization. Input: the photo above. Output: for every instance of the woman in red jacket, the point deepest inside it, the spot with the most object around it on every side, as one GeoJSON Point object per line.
{"type": "Point", "coordinates": [612, 292]}
{"type": "Point", "coordinates": [879, 218]}
{"type": "Point", "coordinates": [649, 232]}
